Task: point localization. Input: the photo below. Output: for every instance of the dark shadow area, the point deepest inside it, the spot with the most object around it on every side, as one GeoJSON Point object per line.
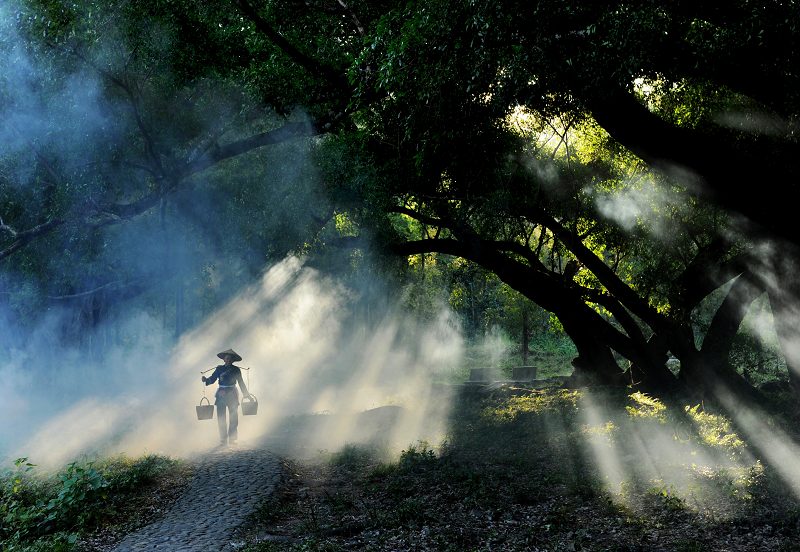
{"type": "Point", "coordinates": [538, 468]}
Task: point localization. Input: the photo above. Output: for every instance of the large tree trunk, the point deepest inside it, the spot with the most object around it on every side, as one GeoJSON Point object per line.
{"type": "Point", "coordinates": [784, 300]}
{"type": "Point", "coordinates": [526, 336]}
{"type": "Point", "coordinates": [595, 362]}
{"type": "Point", "coordinates": [713, 368]}
{"type": "Point", "coordinates": [651, 372]}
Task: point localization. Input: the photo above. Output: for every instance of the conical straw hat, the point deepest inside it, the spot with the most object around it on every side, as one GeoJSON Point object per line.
{"type": "Point", "coordinates": [231, 352]}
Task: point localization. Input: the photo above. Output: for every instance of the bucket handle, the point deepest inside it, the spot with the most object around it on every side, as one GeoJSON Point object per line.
{"type": "Point", "coordinates": [250, 397]}
{"type": "Point", "coordinates": [204, 399]}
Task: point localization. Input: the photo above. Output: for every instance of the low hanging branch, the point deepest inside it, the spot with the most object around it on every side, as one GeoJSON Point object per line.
{"type": "Point", "coordinates": [214, 155]}
{"type": "Point", "coordinates": [542, 287]}
{"type": "Point", "coordinates": [115, 213]}
{"type": "Point", "coordinates": [6, 228]}
{"type": "Point", "coordinates": [23, 238]}
{"type": "Point", "coordinates": [105, 215]}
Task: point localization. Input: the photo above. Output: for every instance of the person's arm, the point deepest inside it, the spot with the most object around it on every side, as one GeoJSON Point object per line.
{"type": "Point", "coordinates": [242, 386]}
{"type": "Point", "coordinates": [213, 378]}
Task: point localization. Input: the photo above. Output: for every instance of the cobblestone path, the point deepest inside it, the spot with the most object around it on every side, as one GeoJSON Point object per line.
{"type": "Point", "coordinates": [226, 487]}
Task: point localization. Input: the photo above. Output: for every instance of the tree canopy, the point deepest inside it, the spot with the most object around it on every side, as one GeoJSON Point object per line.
{"type": "Point", "coordinates": [615, 163]}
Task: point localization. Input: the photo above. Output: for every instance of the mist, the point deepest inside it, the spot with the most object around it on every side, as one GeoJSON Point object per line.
{"type": "Point", "coordinates": [305, 353]}
{"type": "Point", "coordinates": [649, 451]}
{"type": "Point", "coordinates": [105, 351]}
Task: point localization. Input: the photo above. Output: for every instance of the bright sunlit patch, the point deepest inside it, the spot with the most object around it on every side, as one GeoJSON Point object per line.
{"type": "Point", "coordinates": [650, 452]}
{"type": "Point", "coordinates": [79, 429]}
{"type": "Point", "coordinates": [602, 448]}
{"type": "Point", "coordinates": [607, 430]}
{"type": "Point", "coordinates": [715, 430]}
{"type": "Point", "coordinates": [645, 406]}
{"type": "Point", "coordinates": [770, 442]}
{"type": "Point", "coordinates": [534, 402]}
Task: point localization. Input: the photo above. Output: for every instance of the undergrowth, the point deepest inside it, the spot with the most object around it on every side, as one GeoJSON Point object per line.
{"type": "Point", "coordinates": [41, 510]}
{"type": "Point", "coordinates": [526, 469]}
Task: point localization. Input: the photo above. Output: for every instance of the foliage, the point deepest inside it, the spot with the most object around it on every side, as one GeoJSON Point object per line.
{"type": "Point", "coordinates": [417, 458]}
{"type": "Point", "coordinates": [20, 515]}
{"type": "Point", "coordinates": [535, 403]}
{"type": "Point", "coordinates": [646, 406]}
{"type": "Point", "coordinates": [715, 429]}
{"type": "Point", "coordinates": [42, 510]}
{"type": "Point", "coordinates": [353, 457]}
{"type": "Point", "coordinates": [540, 143]}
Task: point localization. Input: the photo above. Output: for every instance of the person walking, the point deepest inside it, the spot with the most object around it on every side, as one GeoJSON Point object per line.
{"type": "Point", "coordinates": [227, 397]}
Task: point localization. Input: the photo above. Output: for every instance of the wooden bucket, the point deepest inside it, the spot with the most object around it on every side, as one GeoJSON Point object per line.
{"type": "Point", "coordinates": [205, 411]}
{"type": "Point", "coordinates": [249, 405]}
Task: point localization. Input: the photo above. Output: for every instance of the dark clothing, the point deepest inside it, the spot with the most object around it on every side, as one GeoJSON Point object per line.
{"type": "Point", "coordinates": [228, 377]}
{"type": "Point", "coordinates": [227, 400]}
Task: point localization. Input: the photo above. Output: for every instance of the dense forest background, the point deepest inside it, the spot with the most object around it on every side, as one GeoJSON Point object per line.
{"type": "Point", "coordinates": [603, 184]}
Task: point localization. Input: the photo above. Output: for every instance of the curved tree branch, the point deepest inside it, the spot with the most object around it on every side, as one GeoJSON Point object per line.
{"type": "Point", "coordinates": [23, 238]}
{"type": "Point", "coordinates": [213, 155]}
{"type": "Point", "coordinates": [605, 274]}
{"type": "Point", "coordinates": [542, 288]}
{"type": "Point", "coordinates": [313, 66]}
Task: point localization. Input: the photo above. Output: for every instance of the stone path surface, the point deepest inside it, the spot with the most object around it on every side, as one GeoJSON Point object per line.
{"type": "Point", "coordinates": [227, 486]}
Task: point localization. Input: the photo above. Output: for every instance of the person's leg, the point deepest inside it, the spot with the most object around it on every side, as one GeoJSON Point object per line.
{"type": "Point", "coordinates": [233, 430]}
{"type": "Point", "coordinates": [222, 424]}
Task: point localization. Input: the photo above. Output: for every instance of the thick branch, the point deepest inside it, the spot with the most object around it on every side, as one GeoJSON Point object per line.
{"type": "Point", "coordinates": [618, 311]}
{"type": "Point", "coordinates": [119, 212]}
{"type": "Point", "coordinates": [706, 273]}
{"type": "Point", "coordinates": [605, 274]}
{"type": "Point", "coordinates": [540, 287]}
{"type": "Point", "coordinates": [729, 316]}
{"type": "Point", "coordinates": [274, 136]}
{"type": "Point", "coordinates": [115, 213]}
{"type": "Point", "coordinates": [104, 216]}
{"type": "Point", "coordinates": [25, 237]}
{"type": "Point", "coordinates": [416, 215]}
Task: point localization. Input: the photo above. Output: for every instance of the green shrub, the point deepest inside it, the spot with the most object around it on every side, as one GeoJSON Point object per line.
{"type": "Point", "coordinates": [416, 459]}
{"type": "Point", "coordinates": [715, 430]}
{"type": "Point", "coordinates": [354, 457]}
{"type": "Point", "coordinates": [19, 502]}
{"type": "Point", "coordinates": [80, 498]}
{"type": "Point", "coordinates": [47, 512]}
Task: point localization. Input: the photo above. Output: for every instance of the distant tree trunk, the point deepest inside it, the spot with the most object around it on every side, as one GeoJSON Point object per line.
{"type": "Point", "coordinates": [179, 311]}
{"type": "Point", "coordinates": [526, 336]}
{"type": "Point", "coordinates": [166, 267]}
